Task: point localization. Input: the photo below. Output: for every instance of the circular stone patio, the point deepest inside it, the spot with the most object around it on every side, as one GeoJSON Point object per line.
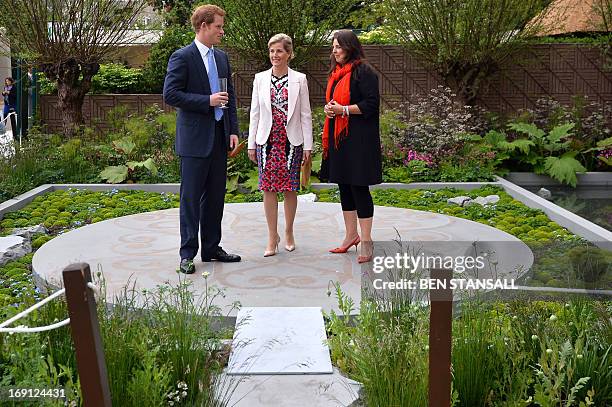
{"type": "Point", "coordinates": [143, 249]}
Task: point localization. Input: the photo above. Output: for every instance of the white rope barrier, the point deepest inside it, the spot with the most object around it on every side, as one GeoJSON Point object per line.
{"type": "Point", "coordinates": [33, 308]}
{"type": "Point", "coordinates": [94, 288]}
{"type": "Point", "coordinates": [25, 329]}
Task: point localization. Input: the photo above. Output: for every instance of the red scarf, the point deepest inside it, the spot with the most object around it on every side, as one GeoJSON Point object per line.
{"type": "Point", "coordinates": [342, 96]}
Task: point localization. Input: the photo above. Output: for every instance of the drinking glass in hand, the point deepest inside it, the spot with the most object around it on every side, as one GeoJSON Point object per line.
{"type": "Point", "coordinates": [223, 88]}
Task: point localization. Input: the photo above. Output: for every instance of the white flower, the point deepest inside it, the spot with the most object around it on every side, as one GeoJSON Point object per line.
{"type": "Point", "coordinates": [534, 337]}
{"type": "Point", "coordinates": [579, 356]}
{"type": "Point", "coordinates": [549, 351]}
{"type": "Point", "coordinates": [553, 317]}
{"type": "Point", "coordinates": [205, 274]}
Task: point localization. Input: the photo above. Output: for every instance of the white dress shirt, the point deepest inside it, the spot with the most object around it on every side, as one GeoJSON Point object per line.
{"type": "Point", "coordinates": [204, 53]}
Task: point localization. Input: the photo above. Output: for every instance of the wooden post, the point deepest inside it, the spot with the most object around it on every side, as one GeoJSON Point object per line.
{"type": "Point", "coordinates": [440, 340]}
{"type": "Point", "coordinates": [86, 336]}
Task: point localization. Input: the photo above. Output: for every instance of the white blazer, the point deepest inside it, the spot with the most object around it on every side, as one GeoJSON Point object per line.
{"type": "Point", "coordinates": [299, 116]}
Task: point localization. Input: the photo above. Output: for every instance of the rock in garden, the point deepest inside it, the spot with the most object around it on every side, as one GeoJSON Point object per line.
{"type": "Point", "coordinates": [307, 198]}
{"type": "Point", "coordinates": [459, 200]}
{"type": "Point", "coordinates": [29, 231]}
{"type": "Point", "coordinates": [484, 200]}
{"type": "Point", "coordinates": [544, 193]}
{"type": "Point", "coordinates": [492, 199]}
{"type": "Point", "coordinates": [13, 247]}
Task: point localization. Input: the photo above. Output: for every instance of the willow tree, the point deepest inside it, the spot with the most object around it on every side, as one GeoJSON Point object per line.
{"type": "Point", "coordinates": [464, 41]}
{"type": "Point", "coordinates": [602, 21]}
{"type": "Point", "coordinates": [249, 25]}
{"type": "Point", "coordinates": [176, 12]}
{"type": "Point", "coordinates": [603, 10]}
{"type": "Point", "coordinates": [67, 40]}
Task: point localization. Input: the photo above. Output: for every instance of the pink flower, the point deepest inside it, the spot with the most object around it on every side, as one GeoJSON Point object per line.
{"type": "Point", "coordinates": [413, 155]}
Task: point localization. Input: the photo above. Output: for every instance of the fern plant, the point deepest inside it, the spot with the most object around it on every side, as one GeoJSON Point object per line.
{"type": "Point", "coordinates": [547, 153]}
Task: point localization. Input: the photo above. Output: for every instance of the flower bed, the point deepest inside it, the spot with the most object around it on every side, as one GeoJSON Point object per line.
{"type": "Point", "coordinates": [519, 353]}
{"type": "Point", "coordinates": [493, 345]}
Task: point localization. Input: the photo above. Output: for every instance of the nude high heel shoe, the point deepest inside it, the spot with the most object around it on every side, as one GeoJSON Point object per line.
{"type": "Point", "coordinates": [269, 253]}
{"type": "Point", "coordinates": [290, 247]}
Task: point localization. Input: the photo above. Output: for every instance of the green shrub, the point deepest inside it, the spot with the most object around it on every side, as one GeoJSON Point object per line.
{"type": "Point", "coordinates": [111, 78]}
{"type": "Point", "coordinates": [379, 35]}
{"type": "Point", "coordinates": [117, 78]}
{"type": "Point", "coordinates": [154, 72]}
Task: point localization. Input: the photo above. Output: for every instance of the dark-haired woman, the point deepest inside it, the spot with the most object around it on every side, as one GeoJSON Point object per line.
{"type": "Point", "coordinates": [10, 101]}
{"type": "Point", "coordinates": [351, 138]}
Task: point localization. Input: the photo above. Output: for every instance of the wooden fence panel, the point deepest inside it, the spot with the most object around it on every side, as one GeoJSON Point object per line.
{"type": "Point", "coordinates": [556, 70]}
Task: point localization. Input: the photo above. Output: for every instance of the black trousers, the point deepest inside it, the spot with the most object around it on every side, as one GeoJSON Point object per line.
{"type": "Point", "coordinates": [356, 197]}
{"type": "Point", "coordinates": [202, 198]}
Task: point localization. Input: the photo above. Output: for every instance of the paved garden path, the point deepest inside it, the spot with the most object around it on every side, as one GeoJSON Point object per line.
{"type": "Point", "coordinates": [143, 249]}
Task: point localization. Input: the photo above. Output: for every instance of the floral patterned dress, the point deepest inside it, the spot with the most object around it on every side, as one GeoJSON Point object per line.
{"type": "Point", "coordinates": [278, 160]}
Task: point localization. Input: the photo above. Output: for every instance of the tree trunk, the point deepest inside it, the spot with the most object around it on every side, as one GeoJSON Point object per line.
{"type": "Point", "coordinates": [466, 80]}
{"type": "Point", "coordinates": [73, 82]}
{"type": "Point", "coordinates": [70, 104]}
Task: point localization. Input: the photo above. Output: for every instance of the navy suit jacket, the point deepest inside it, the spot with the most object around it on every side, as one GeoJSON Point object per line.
{"type": "Point", "coordinates": [187, 89]}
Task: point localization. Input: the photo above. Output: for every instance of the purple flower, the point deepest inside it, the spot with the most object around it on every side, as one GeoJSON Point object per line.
{"type": "Point", "coordinates": [607, 153]}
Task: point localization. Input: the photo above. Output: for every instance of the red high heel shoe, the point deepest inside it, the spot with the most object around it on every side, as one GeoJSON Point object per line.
{"type": "Point", "coordinates": [344, 249]}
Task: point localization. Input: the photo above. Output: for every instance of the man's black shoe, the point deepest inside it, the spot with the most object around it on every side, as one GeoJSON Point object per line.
{"type": "Point", "coordinates": [187, 266]}
{"type": "Point", "coordinates": [222, 256]}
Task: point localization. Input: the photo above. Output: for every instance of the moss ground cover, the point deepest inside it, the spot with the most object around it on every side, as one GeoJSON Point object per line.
{"type": "Point", "coordinates": [508, 214]}
{"type": "Point", "coordinates": [15, 282]}
{"type": "Point", "coordinates": [63, 210]}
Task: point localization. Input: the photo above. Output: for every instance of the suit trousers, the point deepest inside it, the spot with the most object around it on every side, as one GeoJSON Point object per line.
{"type": "Point", "coordinates": [202, 197]}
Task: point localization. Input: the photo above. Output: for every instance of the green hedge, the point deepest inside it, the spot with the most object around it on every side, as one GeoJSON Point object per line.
{"type": "Point", "coordinates": [112, 78]}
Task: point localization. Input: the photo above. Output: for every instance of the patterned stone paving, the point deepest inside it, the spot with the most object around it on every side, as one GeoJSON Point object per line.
{"type": "Point", "coordinates": [143, 249]}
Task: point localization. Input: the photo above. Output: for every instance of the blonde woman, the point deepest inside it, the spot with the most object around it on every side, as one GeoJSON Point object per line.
{"type": "Point", "coordinates": [280, 136]}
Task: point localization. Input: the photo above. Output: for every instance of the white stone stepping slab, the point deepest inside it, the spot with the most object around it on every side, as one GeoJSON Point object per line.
{"type": "Point", "coordinates": [326, 390]}
{"type": "Point", "coordinates": [279, 340]}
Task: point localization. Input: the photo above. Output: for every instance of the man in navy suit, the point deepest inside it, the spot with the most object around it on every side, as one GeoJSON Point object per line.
{"type": "Point", "coordinates": [204, 133]}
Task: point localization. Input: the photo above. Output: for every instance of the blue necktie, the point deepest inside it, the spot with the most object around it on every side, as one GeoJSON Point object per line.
{"type": "Point", "coordinates": [213, 80]}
